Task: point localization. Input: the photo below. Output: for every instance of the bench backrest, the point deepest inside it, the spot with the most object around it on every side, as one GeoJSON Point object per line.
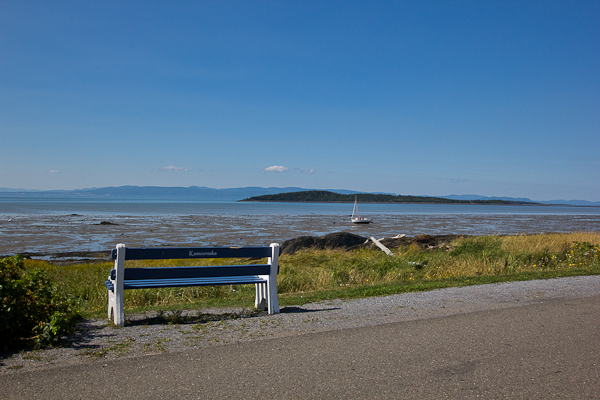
{"type": "Point", "coordinates": [170, 253]}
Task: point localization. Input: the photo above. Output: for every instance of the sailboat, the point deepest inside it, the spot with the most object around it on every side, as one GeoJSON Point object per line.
{"type": "Point", "coordinates": [357, 219]}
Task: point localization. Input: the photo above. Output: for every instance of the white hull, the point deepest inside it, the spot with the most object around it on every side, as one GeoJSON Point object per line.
{"type": "Point", "coordinates": [356, 219]}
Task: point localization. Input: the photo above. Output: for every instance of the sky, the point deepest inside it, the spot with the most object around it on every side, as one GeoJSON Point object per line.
{"type": "Point", "coordinates": [494, 98]}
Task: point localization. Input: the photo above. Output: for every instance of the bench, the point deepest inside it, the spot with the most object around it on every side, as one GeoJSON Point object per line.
{"type": "Point", "coordinates": [263, 276]}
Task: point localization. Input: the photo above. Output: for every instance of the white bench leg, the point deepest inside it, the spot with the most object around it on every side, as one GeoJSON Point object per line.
{"type": "Point", "coordinates": [115, 300]}
{"type": "Point", "coordinates": [272, 300]}
{"type": "Point", "coordinates": [112, 303]}
{"type": "Point", "coordinates": [261, 298]}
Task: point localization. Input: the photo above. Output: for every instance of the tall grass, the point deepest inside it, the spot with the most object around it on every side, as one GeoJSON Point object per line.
{"type": "Point", "coordinates": [85, 284]}
{"type": "Point", "coordinates": [337, 273]}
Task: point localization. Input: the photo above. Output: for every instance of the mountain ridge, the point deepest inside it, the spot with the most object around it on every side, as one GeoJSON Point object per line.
{"type": "Point", "coordinates": [205, 193]}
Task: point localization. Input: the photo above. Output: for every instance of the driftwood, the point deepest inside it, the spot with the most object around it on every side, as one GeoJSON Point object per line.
{"type": "Point", "coordinates": [382, 247]}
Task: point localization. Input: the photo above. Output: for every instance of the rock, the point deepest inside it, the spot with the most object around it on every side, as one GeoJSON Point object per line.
{"type": "Point", "coordinates": [350, 241]}
{"type": "Point", "coordinates": [303, 242]}
{"type": "Point", "coordinates": [336, 240]}
{"type": "Point", "coordinates": [342, 239]}
{"type": "Point", "coordinates": [433, 242]}
{"type": "Point", "coordinates": [424, 240]}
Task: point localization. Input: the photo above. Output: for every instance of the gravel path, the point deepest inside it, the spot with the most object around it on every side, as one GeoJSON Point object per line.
{"type": "Point", "coordinates": [95, 341]}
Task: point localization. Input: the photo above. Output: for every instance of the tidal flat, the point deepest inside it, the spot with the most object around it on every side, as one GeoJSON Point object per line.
{"type": "Point", "coordinates": [92, 236]}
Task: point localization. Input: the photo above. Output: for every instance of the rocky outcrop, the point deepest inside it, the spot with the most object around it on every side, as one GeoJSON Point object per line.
{"type": "Point", "coordinates": [336, 240]}
{"type": "Point", "coordinates": [349, 241]}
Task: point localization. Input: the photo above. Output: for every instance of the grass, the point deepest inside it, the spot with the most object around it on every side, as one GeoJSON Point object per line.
{"type": "Point", "coordinates": [335, 274]}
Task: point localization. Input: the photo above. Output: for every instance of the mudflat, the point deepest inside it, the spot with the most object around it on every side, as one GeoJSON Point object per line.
{"type": "Point", "coordinates": [81, 237]}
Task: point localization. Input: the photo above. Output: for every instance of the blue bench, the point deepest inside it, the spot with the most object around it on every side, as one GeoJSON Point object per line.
{"type": "Point", "coordinates": [263, 276]}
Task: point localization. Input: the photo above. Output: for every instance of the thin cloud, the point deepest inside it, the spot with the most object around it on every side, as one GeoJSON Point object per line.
{"type": "Point", "coordinates": [54, 171]}
{"type": "Point", "coordinates": [275, 168]}
{"type": "Point", "coordinates": [170, 168]}
{"type": "Point", "coordinates": [308, 171]}
{"type": "Point", "coordinates": [455, 180]}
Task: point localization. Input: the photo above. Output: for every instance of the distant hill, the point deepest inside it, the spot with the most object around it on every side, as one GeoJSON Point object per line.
{"type": "Point", "coordinates": [202, 193]}
{"type": "Point", "coordinates": [322, 196]}
{"type": "Point", "coordinates": [524, 199]}
{"type": "Point", "coordinates": [192, 193]}
{"type": "Point", "coordinates": [477, 197]}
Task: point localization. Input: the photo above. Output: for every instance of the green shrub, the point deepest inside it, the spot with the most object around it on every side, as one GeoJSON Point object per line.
{"type": "Point", "coordinates": [32, 309]}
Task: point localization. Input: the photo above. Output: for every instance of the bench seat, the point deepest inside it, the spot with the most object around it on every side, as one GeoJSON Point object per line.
{"type": "Point", "coordinates": [182, 282]}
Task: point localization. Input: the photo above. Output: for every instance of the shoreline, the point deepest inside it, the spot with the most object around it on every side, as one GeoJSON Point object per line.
{"type": "Point", "coordinates": [40, 235]}
{"type": "Point", "coordinates": [81, 257]}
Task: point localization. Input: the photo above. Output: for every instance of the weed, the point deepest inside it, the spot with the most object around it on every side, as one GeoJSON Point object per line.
{"type": "Point", "coordinates": [158, 345]}
{"type": "Point", "coordinates": [329, 274]}
{"type": "Point", "coordinates": [121, 348]}
{"type": "Point", "coordinates": [32, 356]}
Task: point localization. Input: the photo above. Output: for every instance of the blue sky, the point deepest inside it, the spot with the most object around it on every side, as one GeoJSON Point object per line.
{"type": "Point", "coordinates": [496, 98]}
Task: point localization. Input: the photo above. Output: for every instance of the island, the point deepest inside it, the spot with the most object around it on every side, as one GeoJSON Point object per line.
{"type": "Point", "coordinates": [324, 196]}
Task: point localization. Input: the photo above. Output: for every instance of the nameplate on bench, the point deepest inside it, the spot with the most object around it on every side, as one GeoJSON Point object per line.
{"type": "Point", "coordinates": [158, 253]}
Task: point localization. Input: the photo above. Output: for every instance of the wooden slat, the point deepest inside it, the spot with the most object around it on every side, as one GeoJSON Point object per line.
{"type": "Point", "coordinates": [195, 272]}
{"type": "Point", "coordinates": [164, 283]}
{"type": "Point", "coordinates": [158, 253]}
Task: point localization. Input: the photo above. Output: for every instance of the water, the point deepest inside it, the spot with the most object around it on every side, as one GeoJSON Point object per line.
{"type": "Point", "coordinates": [47, 226]}
{"type": "Point", "coordinates": [41, 205]}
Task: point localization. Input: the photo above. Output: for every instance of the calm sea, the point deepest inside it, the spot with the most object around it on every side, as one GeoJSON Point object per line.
{"type": "Point", "coordinates": [10, 206]}
{"type": "Point", "coordinates": [45, 226]}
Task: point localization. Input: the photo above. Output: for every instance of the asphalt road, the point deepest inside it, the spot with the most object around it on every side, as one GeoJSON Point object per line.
{"type": "Point", "coordinates": [540, 351]}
